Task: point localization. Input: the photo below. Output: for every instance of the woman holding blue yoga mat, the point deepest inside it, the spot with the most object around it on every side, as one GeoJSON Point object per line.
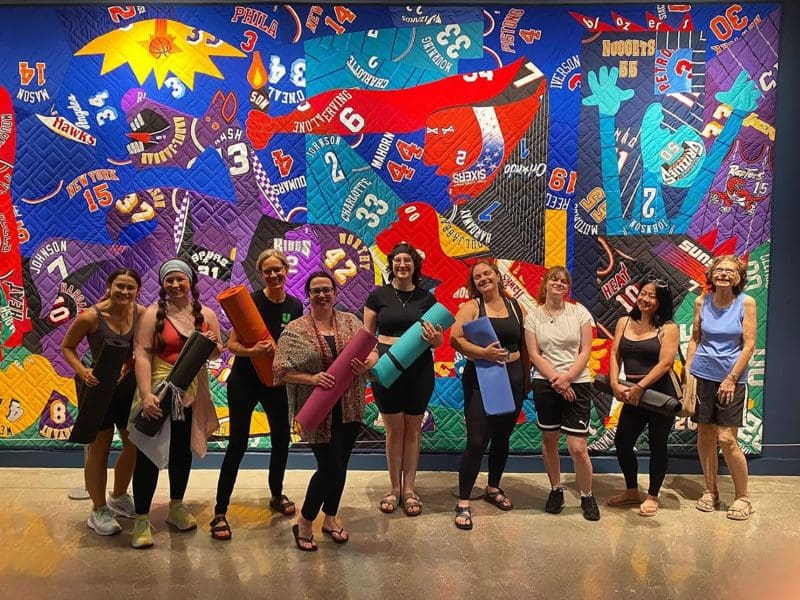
{"type": "Point", "coordinates": [391, 310]}
{"type": "Point", "coordinates": [161, 334]}
{"type": "Point", "coordinates": [114, 317]}
{"type": "Point", "coordinates": [645, 343]}
{"type": "Point", "coordinates": [506, 317]}
{"type": "Point", "coordinates": [559, 338]}
{"type": "Point", "coordinates": [306, 349]}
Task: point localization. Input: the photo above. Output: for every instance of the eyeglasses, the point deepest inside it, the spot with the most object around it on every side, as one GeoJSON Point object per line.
{"type": "Point", "coordinates": [661, 283]}
{"type": "Point", "coordinates": [323, 291]}
{"type": "Point", "coordinates": [724, 270]}
{"type": "Point", "coordinates": [272, 270]}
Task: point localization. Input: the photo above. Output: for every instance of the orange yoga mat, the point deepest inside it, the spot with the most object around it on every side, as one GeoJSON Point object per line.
{"type": "Point", "coordinates": [249, 326]}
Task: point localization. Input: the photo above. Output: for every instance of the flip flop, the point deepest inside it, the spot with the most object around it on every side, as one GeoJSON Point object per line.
{"type": "Point", "coordinates": [620, 500]}
{"type": "Point", "coordinates": [298, 539]}
{"type": "Point", "coordinates": [336, 535]}
{"type": "Point", "coordinates": [653, 509]}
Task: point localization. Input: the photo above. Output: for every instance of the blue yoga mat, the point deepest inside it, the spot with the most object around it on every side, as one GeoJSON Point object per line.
{"type": "Point", "coordinates": [493, 381]}
{"type": "Point", "coordinates": [409, 346]}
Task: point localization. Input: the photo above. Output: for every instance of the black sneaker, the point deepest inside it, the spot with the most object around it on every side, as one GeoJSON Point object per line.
{"type": "Point", "coordinates": [555, 501]}
{"type": "Point", "coordinates": [589, 508]}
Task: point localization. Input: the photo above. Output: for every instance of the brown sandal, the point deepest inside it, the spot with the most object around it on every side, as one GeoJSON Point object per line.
{"type": "Point", "coordinates": [622, 499]}
{"type": "Point", "coordinates": [741, 509]}
{"type": "Point", "coordinates": [390, 504]}
{"type": "Point", "coordinates": [708, 502]}
{"type": "Point", "coordinates": [411, 504]}
{"type": "Point", "coordinates": [283, 505]}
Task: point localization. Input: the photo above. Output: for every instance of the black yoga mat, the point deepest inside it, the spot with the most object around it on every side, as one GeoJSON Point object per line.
{"type": "Point", "coordinates": [94, 401]}
{"type": "Point", "coordinates": [193, 356]}
{"type": "Point", "coordinates": [651, 400]}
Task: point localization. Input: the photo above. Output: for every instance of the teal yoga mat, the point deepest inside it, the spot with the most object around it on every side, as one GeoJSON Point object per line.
{"type": "Point", "coordinates": [493, 381]}
{"type": "Point", "coordinates": [410, 346]}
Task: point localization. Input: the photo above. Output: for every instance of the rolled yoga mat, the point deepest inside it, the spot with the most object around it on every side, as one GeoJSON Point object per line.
{"type": "Point", "coordinates": [94, 401]}
{"type": "Point", "coordinates": [651, 400]}
{"type": "Point", "coordinates": [246, 320]}
{"type": "Point", "coordinates": [193, 356]}
{"type": "Point", "coordinates": [409, 347]}
{"type": "Point", "coordinates": [321, 402]}
{"type": "Point", "coordinates": [493, 381]}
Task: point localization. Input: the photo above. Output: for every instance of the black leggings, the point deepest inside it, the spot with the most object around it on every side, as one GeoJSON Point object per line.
{"type": "Point", "coordinates": [632, 422]}
{"type": "Point", "coordinates": [145, 475]}
{"type": "Point", "coordinates": [242, 400]}
{"type": "Point", "coordinates": [483, 428]}
{"type": "Point", "coordinates": [327, 483]}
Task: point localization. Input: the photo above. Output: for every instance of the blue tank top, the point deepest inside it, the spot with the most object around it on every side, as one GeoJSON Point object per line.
{"type": "Point", "coordinates": [720, 340]}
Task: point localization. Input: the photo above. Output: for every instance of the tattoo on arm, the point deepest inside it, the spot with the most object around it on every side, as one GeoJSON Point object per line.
{"type": "Point", "coordinates": [148, 350]}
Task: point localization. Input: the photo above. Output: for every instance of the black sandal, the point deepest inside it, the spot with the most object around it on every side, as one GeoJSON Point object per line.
{"type": "Point", "coordinates": [283, 505]}
{"type": "Point", "coordinates": [499, 499]}
{"type": "Point", "coordinates": [307, 540]}
{"type": "Point", "coordinates": [465, 513]}
{"type": "Point", "coordinates": [219, 525]}
{"type": "Point", "coordinates": [336, 535]}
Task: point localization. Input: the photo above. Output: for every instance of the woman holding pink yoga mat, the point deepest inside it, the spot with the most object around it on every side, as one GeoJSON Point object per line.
{"type": "Point", "coordinates": [245, 390]}
{"type": "Point", "coordinates": [306, 349]}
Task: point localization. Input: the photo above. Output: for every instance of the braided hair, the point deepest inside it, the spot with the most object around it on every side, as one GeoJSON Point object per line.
{"type": "Point", "coordinates": [161, 312]}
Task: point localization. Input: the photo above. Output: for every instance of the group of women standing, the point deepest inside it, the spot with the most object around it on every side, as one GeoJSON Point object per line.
{"type": "Point", "coordinates": [554, 337]}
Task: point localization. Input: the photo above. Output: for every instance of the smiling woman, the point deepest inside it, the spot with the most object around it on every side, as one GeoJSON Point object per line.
{"type": "Point", "coordinates": [723, 339]}
{"type": "Point", "coordinates": [115, 316]}
{"type": "Point", "coordinates": [161, 334]}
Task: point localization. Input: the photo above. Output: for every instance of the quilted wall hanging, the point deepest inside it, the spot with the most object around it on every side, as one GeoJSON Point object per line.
{"type": "Point", "coordinates": [622, 143]}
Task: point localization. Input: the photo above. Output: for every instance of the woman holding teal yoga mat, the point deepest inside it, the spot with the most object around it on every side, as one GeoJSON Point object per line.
{"type": "Point", "coordinates": [506, 316]}
{"type": "Point", "coordinates": [391, 310]}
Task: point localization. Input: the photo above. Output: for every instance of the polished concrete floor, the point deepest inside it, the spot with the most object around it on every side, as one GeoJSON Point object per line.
{"type": "Point", "coordinates": [46, 550]}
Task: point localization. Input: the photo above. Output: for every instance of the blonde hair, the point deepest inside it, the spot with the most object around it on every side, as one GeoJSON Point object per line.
{"type": "Point", "coordinates": [272, 253]}
{"type": "Point", "coordinates": [741, 271]}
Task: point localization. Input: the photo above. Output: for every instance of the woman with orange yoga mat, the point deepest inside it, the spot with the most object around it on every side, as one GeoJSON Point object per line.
{"type": "Point", "coordinates": [245, 390]}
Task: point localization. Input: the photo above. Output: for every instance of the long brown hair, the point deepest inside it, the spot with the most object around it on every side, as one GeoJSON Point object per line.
{"type": "Point", "coordinates": [492, 263]}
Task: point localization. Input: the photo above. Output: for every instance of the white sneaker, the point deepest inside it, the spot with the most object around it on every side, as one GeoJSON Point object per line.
{"type": "Point", "coordinates": [122, 506]}
{"type": "Point", "coordinates": [103, 522]}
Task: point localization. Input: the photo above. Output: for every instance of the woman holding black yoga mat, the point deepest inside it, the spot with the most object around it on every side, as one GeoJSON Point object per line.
{"type": "Point", "coordinates": [114, 317]}
{"type": "Point", "coordinates": [507, 317]}
{"type": "Point", "coordinates": [162, 332]}
{"type": "Point", "coordinates": [245, 390]}
{"type": "Point", "coordinates": [645, 343]}
{"type": "Point", "coordinates": [306, 349]}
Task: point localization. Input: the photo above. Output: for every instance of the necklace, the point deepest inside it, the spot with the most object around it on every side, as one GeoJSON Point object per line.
{"type": "Point", "coordinates": [324, 348]}
{"type": "Point", "coordinates": [549, 314]}
{"type": "Point", "coordinates": [408, 294]}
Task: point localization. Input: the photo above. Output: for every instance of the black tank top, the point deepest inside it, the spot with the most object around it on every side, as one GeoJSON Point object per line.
{"type": "Point", "coordinates": [507, 328]}
{"type": "Point", "coordinates": [639, 356]}
{"type": "Point", "coordinates": [103, 332]}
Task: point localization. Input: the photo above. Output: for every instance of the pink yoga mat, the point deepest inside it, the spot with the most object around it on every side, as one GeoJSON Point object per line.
{"type": "Point", "coordinates": [321, 402]}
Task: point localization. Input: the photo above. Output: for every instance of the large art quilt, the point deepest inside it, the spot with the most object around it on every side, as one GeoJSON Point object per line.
{"type": "Point", "coordinates": [621, 143]}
